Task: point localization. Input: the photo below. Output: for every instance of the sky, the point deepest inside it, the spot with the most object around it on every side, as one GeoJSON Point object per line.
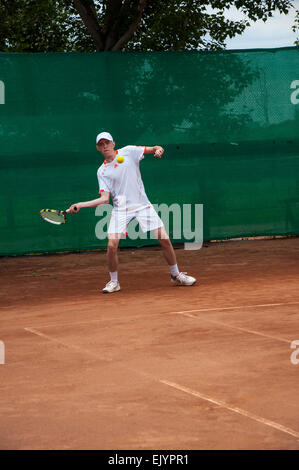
{"type": "Point", "coordinates": [276, 32]}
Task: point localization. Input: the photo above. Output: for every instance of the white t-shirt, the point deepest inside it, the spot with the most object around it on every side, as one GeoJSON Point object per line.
{"type": "Point", "coordinates": [123, 180]}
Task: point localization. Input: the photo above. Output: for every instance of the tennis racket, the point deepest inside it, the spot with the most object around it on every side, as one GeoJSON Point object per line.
{"type": "Point", "coordinates": [54, 216]}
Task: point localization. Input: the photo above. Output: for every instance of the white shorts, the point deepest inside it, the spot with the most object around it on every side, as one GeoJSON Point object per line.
{"type": "Point", "coordinates": [147, 218]}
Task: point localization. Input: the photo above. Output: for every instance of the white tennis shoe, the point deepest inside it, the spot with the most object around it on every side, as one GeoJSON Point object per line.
{"type": "Point", "coordinates": [111, 286]}
{"type": "Point", "coordinates": [183, 280]}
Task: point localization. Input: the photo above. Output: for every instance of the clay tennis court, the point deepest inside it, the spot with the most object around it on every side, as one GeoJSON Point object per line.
{"type": "Point", "coordinates": [152, 366]}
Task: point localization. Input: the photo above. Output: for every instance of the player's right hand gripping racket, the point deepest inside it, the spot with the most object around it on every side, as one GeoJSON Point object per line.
{"type": "Point", "coordinates": [54, 216]}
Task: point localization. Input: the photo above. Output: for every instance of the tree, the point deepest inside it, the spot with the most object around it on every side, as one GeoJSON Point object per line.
{"type": "Point", "coordinates": [130, 25]}
{"type": "Point", "coordinates": [33, 26]}
{"type": "Point", "coordinates": [296, 27]}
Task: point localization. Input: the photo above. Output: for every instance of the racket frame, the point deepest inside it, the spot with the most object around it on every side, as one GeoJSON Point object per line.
{"type": "Point", "coordinates": [53, 211]}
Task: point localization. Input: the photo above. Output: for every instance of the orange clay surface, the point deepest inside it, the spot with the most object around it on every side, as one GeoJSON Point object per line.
{"type": "Point", "coordinates": [152, 366]}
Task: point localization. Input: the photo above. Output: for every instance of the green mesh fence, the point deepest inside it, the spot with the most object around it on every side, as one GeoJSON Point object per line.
{"type": "Point", "coordinates": [229, 123]}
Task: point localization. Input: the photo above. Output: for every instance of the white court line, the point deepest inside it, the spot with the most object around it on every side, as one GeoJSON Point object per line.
{"type": "Point", "coordinates": [226, 325]}
{"type": "Point", "coordinates": [82, 322]}
{"type": "Point", "coordinates": [235, 409]}
{"type": "Point", "coordinates": [70, 323]}
{"type": "Point", "coordinates": [98, 320]}
{"type": "Point", "coordinates": [50, 338]}
{"type": "Point", "coordinates": [237, 307]}
{"type": "Point", "coordinates": [54, 325]}
{"type": "Point", "coordinates": [180, 387]}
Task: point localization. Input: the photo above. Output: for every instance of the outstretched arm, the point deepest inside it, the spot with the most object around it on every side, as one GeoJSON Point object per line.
{"type": "Point", "coordinates": [157, 150]}
{"type": "Point", "coordinates": [104, 199]}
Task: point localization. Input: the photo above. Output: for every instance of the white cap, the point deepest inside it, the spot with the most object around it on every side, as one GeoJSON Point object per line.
{"type": "Point", "coordinates": [104, 135]}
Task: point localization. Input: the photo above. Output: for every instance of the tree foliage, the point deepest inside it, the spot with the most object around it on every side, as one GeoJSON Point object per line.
{"type": "Point", "coordinates": [296, 27]}
{"type": "Point", "coordinates": [132, 25]}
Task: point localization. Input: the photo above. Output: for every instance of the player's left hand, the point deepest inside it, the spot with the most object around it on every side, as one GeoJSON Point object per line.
{"type": "Point", "coordinates": [159, 152]}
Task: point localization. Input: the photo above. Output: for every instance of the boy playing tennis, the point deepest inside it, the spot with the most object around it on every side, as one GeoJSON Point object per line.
{"type": "Point", "coordinates": [122, 181]}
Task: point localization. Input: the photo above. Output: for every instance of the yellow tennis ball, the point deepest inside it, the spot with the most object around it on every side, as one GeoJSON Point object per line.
{"type": "Point", "coordinates": [120, 159]}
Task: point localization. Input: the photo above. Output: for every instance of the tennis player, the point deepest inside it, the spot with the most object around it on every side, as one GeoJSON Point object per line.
{"type": "Point", "coordinates": [122, 181]}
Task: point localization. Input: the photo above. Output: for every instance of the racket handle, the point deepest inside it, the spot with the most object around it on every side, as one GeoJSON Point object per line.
{"type": "Point", "coordinates": [69, 210]}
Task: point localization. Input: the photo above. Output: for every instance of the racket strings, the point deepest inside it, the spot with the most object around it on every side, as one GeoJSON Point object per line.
{"type": "Point", "coordinates": [53, 216]}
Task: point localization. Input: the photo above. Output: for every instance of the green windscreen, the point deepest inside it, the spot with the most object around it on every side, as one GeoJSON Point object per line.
{"type": "Point", "coordinates": [228, 121]}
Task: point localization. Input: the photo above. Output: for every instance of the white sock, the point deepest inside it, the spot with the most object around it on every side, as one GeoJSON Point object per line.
{"type": "Point", "coordinates": [174, 270]}
{"type": "Point", "coordinates": [113, 276]}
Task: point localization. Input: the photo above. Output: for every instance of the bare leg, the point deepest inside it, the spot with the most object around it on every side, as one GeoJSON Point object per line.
{"type": "Point", "coordinates": [112, 252]}
{"type": "Point", "coordinates": [166, 245]}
